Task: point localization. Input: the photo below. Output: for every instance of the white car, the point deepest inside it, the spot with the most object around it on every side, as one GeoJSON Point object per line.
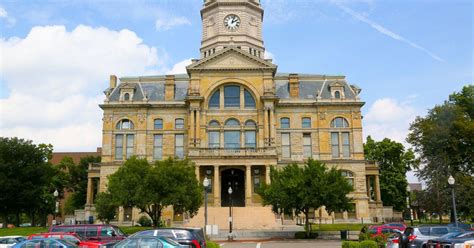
{"type": "Point", "coordinates": [10, 241]}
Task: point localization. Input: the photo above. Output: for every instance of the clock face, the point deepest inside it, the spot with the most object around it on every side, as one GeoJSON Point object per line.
{"type": "Point", "coordinates": [232, 22]}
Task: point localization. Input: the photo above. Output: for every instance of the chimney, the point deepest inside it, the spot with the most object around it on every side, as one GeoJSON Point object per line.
{"type": "Point", "coordinates": [113, 81]}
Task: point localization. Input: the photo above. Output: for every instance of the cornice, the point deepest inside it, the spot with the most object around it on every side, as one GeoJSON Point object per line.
{"type": "Point", "coordinates": [174, 104]}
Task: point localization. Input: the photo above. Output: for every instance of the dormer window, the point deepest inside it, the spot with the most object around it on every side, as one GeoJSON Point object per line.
{"type": "Point", "coordinates": [337, 94]}
{"type": "Point", "coordinates": [337, 90]}
{"type": "Point", "coordinates": [126, 92]}
{"type": "Point", "coordinates": [126, 97]}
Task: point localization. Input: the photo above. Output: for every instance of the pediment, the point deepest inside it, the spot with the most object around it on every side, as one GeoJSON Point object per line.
{"type": "Point", "coordinates": [336, 84]}
{"type": "Point", "coordinates": [232, 58]}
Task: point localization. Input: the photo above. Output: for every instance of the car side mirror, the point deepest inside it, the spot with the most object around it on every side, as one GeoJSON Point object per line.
{"type": "Point", "coordinates": [114, 234]}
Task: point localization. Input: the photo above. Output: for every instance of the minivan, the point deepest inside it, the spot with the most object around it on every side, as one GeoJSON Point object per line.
{"type": "Point", "coordinates": [102, 232]}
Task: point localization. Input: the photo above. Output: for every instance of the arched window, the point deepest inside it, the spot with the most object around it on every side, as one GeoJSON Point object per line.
{"type": "Point", "coordinates": [306, 122]}
{"type": "Point", "coordinates": [126, 96]}
{"type": "Point", "coordinates": [158, 124]}
{"type": "Point", "coordinates": [250, 134]}
{"type": "Point", "coordinates": [214, 123]}
{"type": "Point", "coordinates": [249, 101]}
{"type": "Point", "coordinates": [179, 123]}
{"type": "Point", "coordinates": [285, 122]}
{"type": "Point", "coordinates": [349, 176]}
{"type": "Point", "coordinates": [232, 122]}
{"type": "Point", "coordinates": [232, 96]}
{"type": "Point", "coordinates": [339, 122]}
{"type": "Point", "coordinates": [215, 100]}
{"type": "Point", "coordinates": [124, 124]}
{"type": "Point", "coordinates": [232, 134]}
{"type": "Point", "coordinates": [337, 94]}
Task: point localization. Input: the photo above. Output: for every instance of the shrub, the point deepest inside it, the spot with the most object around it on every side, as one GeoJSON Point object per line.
{"type": "Point", "coordinates": [302, 235]}
{"type": "Point", "coordinates": [144, 221]}
{"type": "Point", "coordinates": [363, 235]}
{"type": "Point", "coordinates": [210, 244]}
{"type": "Point", "coordinates": [350, 244]}
{"type": "Point", "coordinates": [368, 244]}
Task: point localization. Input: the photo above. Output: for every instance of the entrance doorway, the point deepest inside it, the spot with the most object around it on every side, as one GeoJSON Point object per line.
{"type": "Point", "coordinates": [235, 179]}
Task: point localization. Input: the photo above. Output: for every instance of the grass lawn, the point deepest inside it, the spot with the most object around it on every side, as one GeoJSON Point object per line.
{"type": "Point", "coordinates": [337, 227]}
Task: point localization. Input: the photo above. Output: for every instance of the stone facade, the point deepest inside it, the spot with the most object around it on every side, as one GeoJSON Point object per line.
{"type": "Point", "coordinates": [234, 116]}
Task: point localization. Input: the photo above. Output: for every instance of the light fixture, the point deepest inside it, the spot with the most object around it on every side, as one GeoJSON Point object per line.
{"type": "Point", "coordinates": [205, 182]}
{"type": "Point", "coordinates": [208, 172]}
{"type": "Point", "coordinates": [229, 191]}
{"type": "Point", "coordinates": [56, 193]}
{"type": "Point", "coordinates": [451, 180]}
{"type": "Point", "coordinates": [256, 171]}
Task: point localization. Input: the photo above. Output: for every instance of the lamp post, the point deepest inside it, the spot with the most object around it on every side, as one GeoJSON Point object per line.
{"type": "Point", "coordinates": [409, 205]}
{"type": "Point", "coordinates": [205, 183]}
{"type": "Point", "coordinates": [230, 213]}
{"type": "Point", "coordinates": [56, 209]}
{"type": "Point", "coordinates": [451, 182]}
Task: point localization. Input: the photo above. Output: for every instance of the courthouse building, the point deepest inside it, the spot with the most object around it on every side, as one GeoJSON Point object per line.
{"type": "Point", "coordinates": [235, 116]}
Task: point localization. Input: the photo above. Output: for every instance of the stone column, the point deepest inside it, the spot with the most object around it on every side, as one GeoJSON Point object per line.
{"type": "Point", "coordinates": [265, 125]}
{"type": "Point", "coordinates": [89, 191]}
{"type": "Point", "coordinates": [242, 138]}
{"type": "Point", "coordinates": [198, 127]}
{"type": "Point", "coordinates": [377, 189]}
{"type": "Point", "coordinates": [191, 127]}
{"type": "Point", "coordinates": [271, 134]}
{"type": "Point", "coordinates": [267, 174]}
{"type": "Point", "coordinates": [198, 173]}
{"type": "Point", "coordinates": [217, 190]}
{"type": "Point", "coordinates": [248, 185]}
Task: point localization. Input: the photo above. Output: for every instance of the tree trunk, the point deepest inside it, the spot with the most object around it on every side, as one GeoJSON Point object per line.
{"type": "Point", "coordinates": [33, 220]}
{"type": "Point", "coordinates": [17, 215]}
{"type": "Point", "coordinates": [308, 230]}
{"type": "Point", "coordinates": [5, 220]}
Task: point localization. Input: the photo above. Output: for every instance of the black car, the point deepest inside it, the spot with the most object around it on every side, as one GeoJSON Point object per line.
{"type": "Point", "coordinates": [450, 240]}
{"type": "Point", "coordinates": [193, 237]}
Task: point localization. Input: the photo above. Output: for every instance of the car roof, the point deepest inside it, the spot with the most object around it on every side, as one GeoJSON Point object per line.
{"type": "Point", "coordinates": [12, 236]}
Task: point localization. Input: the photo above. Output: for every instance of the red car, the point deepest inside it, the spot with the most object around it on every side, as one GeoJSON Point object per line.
{"type": "Point", "coordinates": [382, 230]}
{"type": "Point", "coordinates": [74, 238]}
{"type": "Point", "coordinates": [399, 226]}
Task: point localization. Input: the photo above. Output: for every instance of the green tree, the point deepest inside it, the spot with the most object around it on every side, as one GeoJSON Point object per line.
{"type": "Point", "coordinates": [306, 188]}
{"type": "Point", "coordinates": [394, 162]}
{"type": "Point", "coordinates": [105, 207]}
{"type": "Point", "coordinates": [152, 188]}
{"type": "Point", "coordinates": [444, 141]}
{"type": "Point", "coordinates": [25, 176]}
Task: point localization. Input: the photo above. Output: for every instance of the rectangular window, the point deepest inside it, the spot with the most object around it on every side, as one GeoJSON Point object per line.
{"type": "Point", "coordinates": [232, 96]}
{"type": "Point", "coordinates": [179, 146]}
{"type": "Point", "coordinates": [335, 144]}
{"type": "Point", "coordinates": [285, 123]}
{"type": "Point", "coordinates": [214, 139]}
{"type": "Point", "coordinates": [158, 146]}
{"type": "Point", "coordinates": [129, 151]}
{"type": "Point", "coordinates": [345, 145]}
{"type": "Point", "coordinates": [250, 141]}
{"type": "Point", "coordinates": [307, 147]}
{"type": "Point", "coordinates": [158, 124]}
{"type": "Point", "coordinates": [179, 124]}
{"type": "Point", "coordinates": [306, 122]}
{"type": "Point", "coordinates": [119, 147]}
{"type": "Point", "coordinates": [231, 139]}
{"type": "Point", "coordinates": [285, 145]}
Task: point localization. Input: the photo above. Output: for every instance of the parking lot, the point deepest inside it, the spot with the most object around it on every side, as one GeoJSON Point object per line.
{"type": "Point", "coordinates": [283, 244]}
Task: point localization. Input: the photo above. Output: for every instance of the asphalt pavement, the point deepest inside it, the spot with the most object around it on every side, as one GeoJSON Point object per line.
{"type": "Point", "coordinates": [282, 244]}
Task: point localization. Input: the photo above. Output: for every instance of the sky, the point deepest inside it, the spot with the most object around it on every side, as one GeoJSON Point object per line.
{"type": "Point", "coordinates": [56, 56]}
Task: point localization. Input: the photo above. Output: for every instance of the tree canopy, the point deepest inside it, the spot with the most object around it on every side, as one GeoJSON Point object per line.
{"type": "Point", "coordinates": [152, 188]}
{"type": "Point", "coordinates": [307, 188]}
{"type": "Point", "coordinates": [394, 162]}
{"type": "Point", "coordinates": [444, 141]}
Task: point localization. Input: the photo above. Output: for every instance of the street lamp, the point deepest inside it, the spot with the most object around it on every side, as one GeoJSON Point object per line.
{"type": "Point", "coordinates": [409, 205]}
{"type": "Point", "coordinates": [205, 183]}
{"type": "Point", "coordinates": [451, 182]}
{"type": "Point", "coordinates": [230, 213]}
{"type": "Point", "coordinates": [56, 209]}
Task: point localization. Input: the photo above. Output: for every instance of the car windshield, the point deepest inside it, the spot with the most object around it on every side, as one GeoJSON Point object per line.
{"type": "Point", "coordinates": [170, 241]}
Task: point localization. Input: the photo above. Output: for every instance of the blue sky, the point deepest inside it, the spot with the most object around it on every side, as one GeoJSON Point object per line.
{"type": "Point", "coordinates": [57, 55]}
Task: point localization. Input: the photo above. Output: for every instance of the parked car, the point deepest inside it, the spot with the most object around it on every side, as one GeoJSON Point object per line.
{"type": "Point", "coordinates": [72, 237]}
{"type": "Point", "coordinates": [464, 226]}
{"type": "Point", "coordinates": [396, 225]}
{"type": "Point", "coordinates": [458, 239]}
{"type": "Point", "coordinates": [382, 230]}
{"type": "Point", "coordinates": [417, 237]}
{"type": "Point", "coordinates": [101, 233]}
{"type": "Point", "coordinates": [9, 241]}
{"type": "Point", "coordinates": [149, 242]}
{"type": "Point", "coordinates": [45, 242]}
{"type": "Point", "coordinates": [192, 237]}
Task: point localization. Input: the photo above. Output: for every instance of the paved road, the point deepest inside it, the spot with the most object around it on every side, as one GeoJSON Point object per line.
{"type": "Point", "coordinates": [283, 244]}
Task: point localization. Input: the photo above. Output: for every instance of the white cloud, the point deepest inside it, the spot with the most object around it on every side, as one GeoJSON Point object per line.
{"type": "Point", "coordinates": [167, 23]}
{"type": "Point", "coordinates": [381, 29]}
{"type": "Point", "coordinates": [56, 77]}
{"type": "Point", "coordinates": [4, 15]}
{"type": "Point", "coordinates": [389, 118]}
{"type": "Point", "coordinates": [180, 67]}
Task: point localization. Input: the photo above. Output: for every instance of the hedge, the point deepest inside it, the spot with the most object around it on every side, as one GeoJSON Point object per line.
{"type": "Point", "coordinates": [356, 244]}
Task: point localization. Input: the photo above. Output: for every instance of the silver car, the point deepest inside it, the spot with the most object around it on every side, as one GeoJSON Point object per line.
{"type": "Point", "coordinates": [417, 237]}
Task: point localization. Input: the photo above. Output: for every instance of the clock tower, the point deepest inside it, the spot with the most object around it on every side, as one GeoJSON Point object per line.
{"type": "Point", "coordinates": [232, 23]}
